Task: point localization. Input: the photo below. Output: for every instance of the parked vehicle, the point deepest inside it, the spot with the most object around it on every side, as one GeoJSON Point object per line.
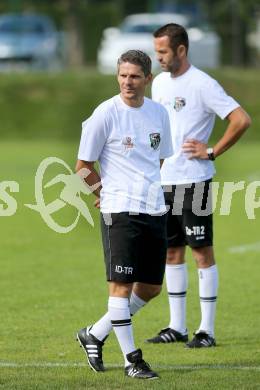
{"type": "Point", "coordinates": [28, 41]}
{"type": "Point", "coordinates": [136, 33]}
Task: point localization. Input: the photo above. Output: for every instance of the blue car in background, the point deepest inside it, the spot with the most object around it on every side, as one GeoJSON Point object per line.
{"type": "Point", "coordinates": [28, 41]}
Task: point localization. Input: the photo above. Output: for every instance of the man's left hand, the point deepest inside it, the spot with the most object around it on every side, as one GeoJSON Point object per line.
{"type": "Point", "coordinates": [97, 203]}
{"type": "Point", "coordinates": [195, 149]}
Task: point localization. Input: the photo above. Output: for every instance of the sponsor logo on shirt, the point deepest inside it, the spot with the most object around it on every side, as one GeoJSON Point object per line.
{"type": "Point", "coordinates": [179, 103]}
{"type": "Point", "coordinates": [127, 142]}
{"type": "Point", "coordinates": [155, 139]}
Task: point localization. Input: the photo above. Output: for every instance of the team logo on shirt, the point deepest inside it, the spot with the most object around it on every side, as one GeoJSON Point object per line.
{"type": "Point", "coordinates": [155, 140]}
{"type": "Point", "coordinates": [179, 103]}
{"type": "Point", "coordinates": [127, 142]}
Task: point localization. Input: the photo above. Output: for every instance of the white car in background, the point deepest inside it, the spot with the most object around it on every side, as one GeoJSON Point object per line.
{"type": "Point", "coordinates": [136, 33]}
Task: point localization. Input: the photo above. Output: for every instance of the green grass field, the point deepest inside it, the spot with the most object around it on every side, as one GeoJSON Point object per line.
{"type": "Point", "coordinates": [52, 284]}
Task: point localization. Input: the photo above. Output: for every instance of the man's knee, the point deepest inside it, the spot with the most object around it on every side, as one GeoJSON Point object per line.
{"type": "Point", "coordinates": [117, 289]}
{"type": "Point", "coordinates": [155, 291]}
{"type": "Point", "coordinates": [147, 291]}
{"type": "Point", "coordinates": [175, 255]}
{"type": "Point", "coordinates": [204, 256]}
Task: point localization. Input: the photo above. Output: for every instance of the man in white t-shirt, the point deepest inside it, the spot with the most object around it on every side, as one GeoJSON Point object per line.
{"type": "Point", "coordinates": [129, 135]}
{"type": "Point", "coordinates": [192, 99]}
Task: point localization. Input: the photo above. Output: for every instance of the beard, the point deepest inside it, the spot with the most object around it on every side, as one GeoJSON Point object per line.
{"type": "Point", "coordinates": [175, 66]}
{"type": "Point", "coordinates": [172, 67]}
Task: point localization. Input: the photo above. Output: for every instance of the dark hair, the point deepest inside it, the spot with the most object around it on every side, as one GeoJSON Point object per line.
{"type": "Point", "coordinates": [176, 33]}
{"type": "Point", "coordinates": [137, 57]}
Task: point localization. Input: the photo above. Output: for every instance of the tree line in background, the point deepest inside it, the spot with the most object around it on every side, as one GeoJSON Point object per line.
{"type": "Point", "coordinates": [84, 21]}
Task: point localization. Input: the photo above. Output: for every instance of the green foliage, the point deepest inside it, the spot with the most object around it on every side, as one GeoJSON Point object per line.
{"type": "Point", "coordinates": [55, 9]}
{"type": "Point", "coordinates": [93, 19]}
{"type": "Point", "coordinates": [54, 105]}
{"type": "Point", "coordinates": [233, 20]}
{"type": "Point", "coordinates": [50, 105]}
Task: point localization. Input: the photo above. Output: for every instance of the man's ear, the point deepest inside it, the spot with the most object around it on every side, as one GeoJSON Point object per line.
{"type": "Point", "coordinates": [149, 78]}
{"type": "Point", "coordinates": [181, 51]}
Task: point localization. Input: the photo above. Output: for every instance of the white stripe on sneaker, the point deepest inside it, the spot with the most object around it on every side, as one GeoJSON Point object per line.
{"type": "Point", "coordinates": [205, 342]}
{"type": "Point", "coordinates": [172, 336]}
{"type": "Point", "coordinates": [168, 337]}
{"type": "Point", "coordinates": [164, 338]}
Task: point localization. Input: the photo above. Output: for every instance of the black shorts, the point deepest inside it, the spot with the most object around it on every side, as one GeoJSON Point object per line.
{"type": "Point", "coordinates": [189, 218]}
{"type": "Point", "coordinates": [134, 247]}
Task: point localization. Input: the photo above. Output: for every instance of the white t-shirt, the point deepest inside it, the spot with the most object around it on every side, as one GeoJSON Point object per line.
{"type": "Point", "coordinates": [128, 143]}
{"type": "Point", "coordinates": [192, 101]}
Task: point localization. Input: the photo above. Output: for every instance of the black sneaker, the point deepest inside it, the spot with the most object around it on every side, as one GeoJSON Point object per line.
{"type": "Point", "coordinates": [93, 348]}
{"type": "Point", "coordinates": [201, 340]}
{"type": "Point", "coordinates": [168, 335]}
{"type": "Point", "coordinates": [139, 368]}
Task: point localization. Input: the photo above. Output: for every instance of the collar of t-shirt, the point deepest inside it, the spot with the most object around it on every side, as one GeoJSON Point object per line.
{"type": "Point", "coordinates": [126, 106]}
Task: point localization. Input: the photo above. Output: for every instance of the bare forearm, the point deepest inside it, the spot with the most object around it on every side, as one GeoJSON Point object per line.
{"type": "Point", "coordinates": [239, 121]}
{"type": "Point", "coordinates": [91, 176]}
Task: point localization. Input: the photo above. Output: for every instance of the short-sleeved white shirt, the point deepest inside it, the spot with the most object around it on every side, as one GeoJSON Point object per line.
{"type": "Point", "coordinates": [128, 143]}
{"type": "Point", "coordinates": [192, 101]}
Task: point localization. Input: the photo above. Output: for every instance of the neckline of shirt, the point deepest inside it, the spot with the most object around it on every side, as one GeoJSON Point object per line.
{"type": "Point", "coordinates": [126, 106]}
{"type": "Point", "coordinates": [183, 75]}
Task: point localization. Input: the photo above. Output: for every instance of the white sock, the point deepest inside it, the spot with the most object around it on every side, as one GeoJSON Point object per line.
{"type": "Point", "coordinates": [208, 290]}
{"type": "Point", "coordinates": [177, 283]}
{"type": "Point", "coordinates": [119, 313]}
{"type": "Point", "coordinates": [136, 303]}
{"type": "Point", "coordinates": [103, 327]}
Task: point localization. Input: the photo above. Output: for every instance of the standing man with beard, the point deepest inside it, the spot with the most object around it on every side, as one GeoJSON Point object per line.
{"type": "Point", "coordinates": [192, 99]}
